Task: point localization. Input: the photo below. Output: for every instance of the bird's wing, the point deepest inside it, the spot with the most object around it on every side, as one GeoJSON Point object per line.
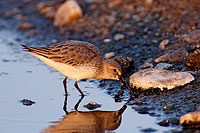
{"type": "Point", "coordinates": [75, 53]}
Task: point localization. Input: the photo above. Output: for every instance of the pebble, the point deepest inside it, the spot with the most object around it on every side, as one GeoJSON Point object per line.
{"type": "Point", "coordinates": [27, 102]}
{"type": "Point", "coordinates": [190, 119]}
{"type": "Point", "coordinates": [163, 44]}
{"type": "Point", "coordinates": [46, 10]}
{"type": "Point", "coordinates": [67, 12]}
{"type": "Point", "coordinates": [109, 55]}
{"type": "Point", "coordinates": [176, 56]}
{"type": "Point", "coordinates": [92, 105]}
{"type": "Point", "coordinates": [9, 14]}
{"type": "Point", "coordinates": [148, 3]}
{"type": "Point", "coordinates": [118, 37]}
{"type": "Point", "coordinates": [107, 40]}
{"type": "Point", "coordinates": [24, 26]}
{"type": "Point", "coordinates": [159, 78]}
{"type": "Point", "coordinates": [192, 37]}
{"type": "Point", "coordinates": [164, 123]}
{"type": "Point", "coordinates": [193, 60]}
{"type": "Point", "coordinates": [198, 108]}
{"type": "Point", "coordinates": [146, 65]}
{"type": "Point", "coordinates": [163, 66]}
{"type": "Point", "coordinates": [41, 5]}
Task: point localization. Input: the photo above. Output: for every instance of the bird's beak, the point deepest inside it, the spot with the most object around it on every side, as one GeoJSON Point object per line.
{"type": "Point", "coordinates": [124, 83]}
{"type": "Point", "coordinates": [122, 110]}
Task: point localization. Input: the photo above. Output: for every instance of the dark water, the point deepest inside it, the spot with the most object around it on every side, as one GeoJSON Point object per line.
{"type": "Point", "coordinates": [25, 77]}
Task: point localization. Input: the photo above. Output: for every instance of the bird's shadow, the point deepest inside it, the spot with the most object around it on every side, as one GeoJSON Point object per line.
{"type": "Point", "coordinates": [88, 121]}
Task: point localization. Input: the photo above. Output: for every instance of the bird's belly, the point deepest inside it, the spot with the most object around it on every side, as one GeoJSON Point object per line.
{"type": "Point", "coordinates": [72, 72]}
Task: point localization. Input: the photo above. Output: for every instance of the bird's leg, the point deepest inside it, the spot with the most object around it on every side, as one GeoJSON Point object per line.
{"type": "Point", "coordinates": [65, 86]}
{"type": "Point", "coordinates": [76, 85]}
{"type": "Point", "coordinates": [77, 104]}
{"type": "Point", "coordinates": [65, 105]}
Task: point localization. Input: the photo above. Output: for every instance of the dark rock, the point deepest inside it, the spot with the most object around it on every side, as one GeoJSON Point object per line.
{"type": "Point", "coordinates": [27, 102]}
{"type": "Point", "coordinates": [92, 105]}
{"type": "Point", "coordinates": [176, 56]}
{"type": "Point", "coordinates": [193, 60]}
{"type": "Point", "coordinates": [164, 123]}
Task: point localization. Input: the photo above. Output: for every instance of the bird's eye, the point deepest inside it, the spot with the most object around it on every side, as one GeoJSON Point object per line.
{"type": "Point", "coordinates": [115, 70]}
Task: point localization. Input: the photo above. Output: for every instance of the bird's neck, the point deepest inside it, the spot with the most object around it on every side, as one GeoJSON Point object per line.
{"type": "Point", "coordinates": [103, 72]}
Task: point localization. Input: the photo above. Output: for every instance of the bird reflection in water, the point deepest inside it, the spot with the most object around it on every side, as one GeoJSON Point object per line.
{"type": "Point", "coordinates": [87, 121]}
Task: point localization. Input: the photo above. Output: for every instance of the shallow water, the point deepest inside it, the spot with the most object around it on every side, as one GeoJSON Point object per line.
{"type": "Point", "coordinates": [22, 76]}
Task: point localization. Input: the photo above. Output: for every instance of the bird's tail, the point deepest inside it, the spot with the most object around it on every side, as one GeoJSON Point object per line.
{"type": "Point", "coordinates": [33, 50]}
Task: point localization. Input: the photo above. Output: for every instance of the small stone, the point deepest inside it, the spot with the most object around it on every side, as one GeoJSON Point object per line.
{"type": "Point", "coordinates": [50, 15]}
{"type": "Point", "coordinates": [109, 55]}
{"type": "Point", "coordinates": [168, 107]}
{"type": "Point", "coordinates": [133, 107]}
{"type": "Point", "coordinates": [32, 32]}
{"type": "Point", "coordinates": [9, 14]}
{"type": "Point", "coordinates": [192, 37]}
{"type": "Point", "coordinates": [148, 2]}
{"type": "Point", "coordinates": [118, 37]}
{"type": "Point", "coordinates": [40, 37]}
{"type": "Point", "coordinates": [92, 105]}
{"type": "Point", "coordinates": [176, 56]}
{"type": "Point", "coordinates": [120, 92]}
{"type": "Point", "coordinates": [163, 58]}
{"type": "Point", "coordinates": [163, 66]}
{"type": "Point", "coordinates": [46, 10]}
{"type": "Point", "coordinates": [24, 26]}
{"type": "Point", "coordinates": [142, 110]}
{"type": "Point", "coordinates": [28, 35]}
{"type": "Point", "coordinates": [164, 123]}
{"type": "Point", "coordinates": [190, 119]}
{"type": "Point", "coordinates": [67, 12]}
{"type": "Point", "coordinates": [148, 130]}
{"type": "Point", "coordinates": [189, 87]}
{"type": "Point", "coordinates": [198, 108]}
{"type": "Point", "coordinates": [106, 40]}
{"type": "Point", "coordinates": [146, 65]}
{"type": "Point", "coordinates": [193, 60]}
{"type": "Point", "coordinates": [159, 78]}
{"type": "Point", "coordinates": [154, 41]}
{"type": "Point", "coordinates": [163, 44]}
{"type": "Point", "coordinates": [41, 5]}
{"type": "Point", "coordinates": [27, 102]}
{"type": "Point", "coordinates": [20, 18]}
{"type": "Point", "coordinates": [54, 41]}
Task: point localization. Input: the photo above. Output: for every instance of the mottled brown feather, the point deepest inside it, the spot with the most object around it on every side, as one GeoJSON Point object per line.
{"type": "Point", "coordinates": [75, 53]}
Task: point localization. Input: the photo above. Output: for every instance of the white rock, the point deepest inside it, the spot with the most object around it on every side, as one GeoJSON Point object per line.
{"type": "Point", "coordinates": [118, 37]}
{"type": "Point", "coordinates": [159, 78]}
{"type": "Point", "coordinates": [106, 40]}
{"type": "Point", "coordinates": [190, 118]}
{"type": "Point", "coordinates": [67, 12]}
{"type": "Point", "coordinates": [109, 55]}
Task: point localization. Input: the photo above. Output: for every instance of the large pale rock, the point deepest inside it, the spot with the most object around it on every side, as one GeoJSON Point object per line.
{"type": "Point", "coordinates": [67, 12]}
{"type": "Point", "coordinates": [159, 78]}
{"type": "Point", "coordinates": [192, 118]}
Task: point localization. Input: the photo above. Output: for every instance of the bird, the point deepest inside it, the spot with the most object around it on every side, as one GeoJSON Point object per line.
{"type": "Point", "coordinates": [78, 60]}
